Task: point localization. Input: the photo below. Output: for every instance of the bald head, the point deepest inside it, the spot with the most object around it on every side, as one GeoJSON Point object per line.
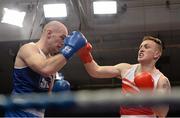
{"type": "Point", "coordinates": [53, 36]}
{"type": "Point", "coordinates": [55, 26]}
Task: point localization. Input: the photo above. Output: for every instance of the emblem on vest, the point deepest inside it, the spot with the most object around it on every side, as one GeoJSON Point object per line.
{"type": "Point", "coordinates": [44, 83]}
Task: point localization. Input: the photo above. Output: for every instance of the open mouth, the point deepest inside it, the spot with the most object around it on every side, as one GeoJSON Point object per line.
{"type": "Point", "coordinates": [141, 55]}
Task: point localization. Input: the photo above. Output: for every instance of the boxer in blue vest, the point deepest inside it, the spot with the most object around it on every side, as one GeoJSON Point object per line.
{"type": "Point", "coordinates": [36, 63]}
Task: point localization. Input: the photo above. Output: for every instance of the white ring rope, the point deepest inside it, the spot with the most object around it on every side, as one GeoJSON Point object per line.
{"type": "Point", "coordinates": [85, 98]}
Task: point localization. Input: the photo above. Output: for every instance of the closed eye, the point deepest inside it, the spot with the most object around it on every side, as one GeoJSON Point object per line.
{"type": "Point", "coordinates": [140, 46]}
{"type": "Point", "coordinates": [146, 46]}
{"type": "Point", "coordinates": [63, 36]}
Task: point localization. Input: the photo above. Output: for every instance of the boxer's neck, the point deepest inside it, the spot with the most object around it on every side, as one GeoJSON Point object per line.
{"type": "Point", "coordinates": [148, 68]}
{"type": "Point", "coordinates": [41, 45]}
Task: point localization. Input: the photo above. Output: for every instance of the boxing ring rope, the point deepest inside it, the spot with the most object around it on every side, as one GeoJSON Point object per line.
{"type": "Point", "coordinates": [85, 98]}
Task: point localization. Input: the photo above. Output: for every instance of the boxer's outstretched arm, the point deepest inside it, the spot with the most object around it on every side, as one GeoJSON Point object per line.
{"type": "Point", "coordinates": [163, 87]}
{"type": "Point", "coordinates": [97, 71]}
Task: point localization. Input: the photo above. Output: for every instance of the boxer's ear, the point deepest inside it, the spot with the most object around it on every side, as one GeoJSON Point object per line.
{"type": "Point", "coordinates": [157, 54]}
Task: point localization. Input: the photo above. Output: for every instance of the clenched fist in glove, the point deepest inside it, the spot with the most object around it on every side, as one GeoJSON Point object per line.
{"type": "Point", "coordinates": [85, 53]}
{"type": "Point", "coordinates": [144, 81]}
{"type": "Point", "coordinates": [72, 43]}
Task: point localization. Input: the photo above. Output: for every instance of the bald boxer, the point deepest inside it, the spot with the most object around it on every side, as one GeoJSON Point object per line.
{"type": "Point", "coordinates": [37, 63]}
{"type": "Point", "coordinates": [135, 77]}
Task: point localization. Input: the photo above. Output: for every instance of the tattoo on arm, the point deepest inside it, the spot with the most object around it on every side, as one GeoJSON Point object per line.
{"type": "Point", "coordinates": [166, 86]}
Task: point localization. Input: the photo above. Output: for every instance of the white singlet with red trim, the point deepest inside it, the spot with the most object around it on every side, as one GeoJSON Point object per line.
{"type": "Point", "coordinates": [129, 88]}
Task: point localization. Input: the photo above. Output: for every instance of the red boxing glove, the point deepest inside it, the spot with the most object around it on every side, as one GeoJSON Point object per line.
{"type": "Point", "coordinates": [144, 81]}
{"type": "Point", "coordinates": [85, 53]}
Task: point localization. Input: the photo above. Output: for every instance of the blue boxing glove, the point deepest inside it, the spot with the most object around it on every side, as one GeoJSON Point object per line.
{"type": "Point", "coordinates": [61, 85]}
{"type": "Point", "coordinates": [72, 43]}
